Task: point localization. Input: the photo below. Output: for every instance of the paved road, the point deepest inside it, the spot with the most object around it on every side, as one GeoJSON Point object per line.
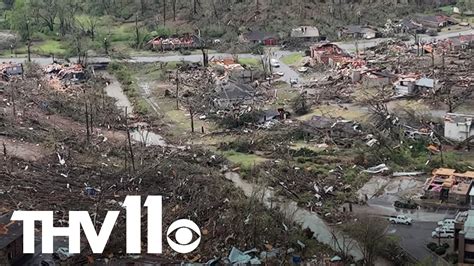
{"type": "Point", "coordinates": [413, 238]}
{"type": "Point", "coordinates": [289, 73]}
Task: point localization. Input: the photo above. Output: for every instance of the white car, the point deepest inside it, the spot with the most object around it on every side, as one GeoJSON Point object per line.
{"type": "Point", "coordinates": [274, 63]}
{"type": "Point", "coordinates": [443, 234]}
{"type": "Point", "coordinates": [400, 219]}
{"type": "Point", "coordinates": [281, 74]}
{"type": "Point", "coordinates": [447, 222]}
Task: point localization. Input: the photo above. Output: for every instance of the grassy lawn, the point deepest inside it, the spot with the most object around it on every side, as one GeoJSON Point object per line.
{"type": "Point", "coordinates": [49, 47]}
{"type": "Point", "coordinates": [245, 160]}
{"type": "Point", "coordinates": [292, 59]}
{"type": "Point", "coordinates": [249, 62]}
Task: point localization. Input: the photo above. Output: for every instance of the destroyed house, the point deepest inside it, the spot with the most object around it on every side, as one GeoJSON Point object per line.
{"type": "Point", "coordinates": [10, 70]}
{"type": "Point", "coordinates": [458, 127]}
{"type": "Point", "coordinates": [260, 37]}
{"type": "Point", "coordinates": [232, 93]}
{"type": "Point", "coordinates": [409, 25]}
{"type": "Point", "coordinates": [445, 184]}
{"type": "Point", "coordinates": [186, 41]}
{"type": "Point", "coordinates": [11, 240]}
{"type": "Point", "coordinates": [461, 42]}
{"type": "Point", "coordinates": [329, 53]}
{"type": "Point", "coordinates": [306, 33]}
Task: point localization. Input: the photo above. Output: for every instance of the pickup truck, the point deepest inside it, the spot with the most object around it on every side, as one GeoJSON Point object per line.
{"type": "Point", "coordinates": [400, 219]}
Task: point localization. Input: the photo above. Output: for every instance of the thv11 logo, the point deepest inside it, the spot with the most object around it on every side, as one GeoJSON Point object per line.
{"type": "Point", "coordinates": [97, 242]}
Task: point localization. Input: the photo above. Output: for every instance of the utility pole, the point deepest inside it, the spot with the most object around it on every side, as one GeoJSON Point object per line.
{"type": "Point", "coordinates": [29, 39]}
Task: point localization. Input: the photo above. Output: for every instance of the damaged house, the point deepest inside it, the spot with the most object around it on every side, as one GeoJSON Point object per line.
{"type": "Point", "coordinates": [232, 94]}
{"type": "Point", "coordinates": [67, 73]}
{"type": "Point", "coordinates": [358, 32]}
{"type": "Point", "coordinates": [10, 70]}
{"type": "Point", "coordinates": [260, 37]}
{"type": "Point", "coordinates": [329, 53]}
{"type": "Point", "coordinates": [458, 127]}
{"type": "Point", "coordinates": [445, 184]}
{"type": "Point", "coordinates": [305, 33]}
{"type": "Point", "coordinates": [186, 41]}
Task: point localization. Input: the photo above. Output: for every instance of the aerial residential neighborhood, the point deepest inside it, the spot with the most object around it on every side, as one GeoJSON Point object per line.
{"type": "Point", "coordinates": [237, 132]}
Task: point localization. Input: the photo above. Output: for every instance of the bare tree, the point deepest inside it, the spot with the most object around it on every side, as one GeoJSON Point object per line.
{"type": "Point", "coordinates": [370, 234]}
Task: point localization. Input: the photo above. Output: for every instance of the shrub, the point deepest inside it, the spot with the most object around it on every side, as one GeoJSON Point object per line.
{"type": "Point", "coordinates": [300, 105]}
{"type": "Point", "coordinates": [432, 246]}
{"type": "Point", "coordinates": [440, 250]}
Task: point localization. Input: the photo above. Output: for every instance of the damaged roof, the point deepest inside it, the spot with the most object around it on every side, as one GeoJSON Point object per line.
{"type": "Point", "coordinates": [235, 91]}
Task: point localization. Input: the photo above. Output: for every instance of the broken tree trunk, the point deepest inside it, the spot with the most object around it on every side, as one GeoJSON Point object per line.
{"type": "Point", "coordinates": [129, 141]}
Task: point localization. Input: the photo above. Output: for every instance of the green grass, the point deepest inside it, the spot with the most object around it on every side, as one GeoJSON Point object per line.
{"type": "Point", "coordinates": [249, 61]}
{"type": "Point", "coordinates": [50, 47]}
{"type": "Point", "coordinates": [292, 59]}
{"type": "Point", "coordinates": [245, 160]}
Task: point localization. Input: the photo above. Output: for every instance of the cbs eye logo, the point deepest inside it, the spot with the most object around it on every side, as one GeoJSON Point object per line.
{"type": "Point", "coordinates": [182, 231]}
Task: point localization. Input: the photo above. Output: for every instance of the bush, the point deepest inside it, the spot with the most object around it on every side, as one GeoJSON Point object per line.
{"type": "Point", "coordinates": [440, 250]}
{"type": "Point", "coordinates": [445, 245]}
{"type": "Point", "coordinates": [247, 118]}
{"type": "Point", "coordinates": [300, 105]}
{"type": "Point", "coordinates": [432, 246]}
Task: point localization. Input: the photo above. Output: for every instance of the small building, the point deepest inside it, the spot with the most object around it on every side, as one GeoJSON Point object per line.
{"type": "Point", "coordinates": [268, 115]}
{"type": "Point", "coordinates": [260, 37]}
{"type": "Point", "coordinates": [447, 185]}
{"type": "Point", "coordinates": [425, 85]}
{"type": "Point", "coordinates": [458, 127]}
{"type": "Point", "coordinates": [329, 53]}
{"type": "Point", "coordinates": [305, 33]}
{"type": "Point", "coordinates": [405, 87]}
{"type": "Point", "coordinates": [11, 240]}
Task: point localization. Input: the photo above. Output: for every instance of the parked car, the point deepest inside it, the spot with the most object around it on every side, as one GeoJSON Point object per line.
{"type": "Point", "coordinates": [400, 219]}
{"type": "Point", "coordinates": [441, 228]}
{"type": "Point", "coordinates": [281, 74]}
{"type": "Point", "coordinates": [443, 234]}
{"type": "Point", "coordinates": [447, 222]}
{"type": "Point", "coordinates": [274, 63]}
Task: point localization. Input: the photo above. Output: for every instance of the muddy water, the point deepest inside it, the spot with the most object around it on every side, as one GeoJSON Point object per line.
{"type": "Point", "coordinates": [144, 136]}
{"type": "Point", "coordinates": [306, 219]}
{"type": "Point", "coordinates": [148, 138]}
